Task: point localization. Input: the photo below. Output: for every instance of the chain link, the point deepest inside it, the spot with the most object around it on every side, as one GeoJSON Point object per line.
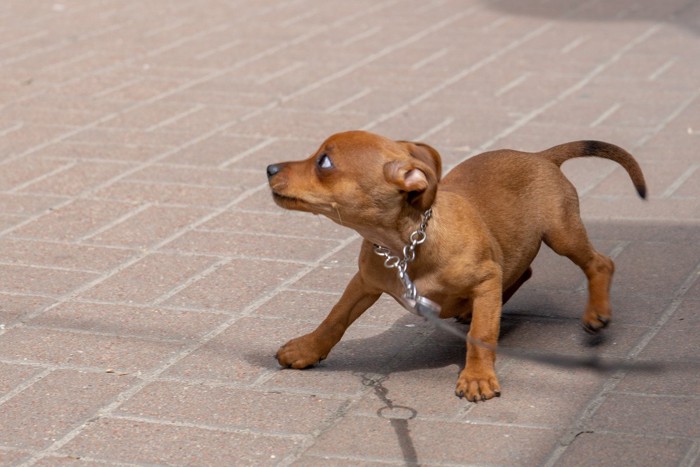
{"type": "Point", "coordinates": [417, 237]}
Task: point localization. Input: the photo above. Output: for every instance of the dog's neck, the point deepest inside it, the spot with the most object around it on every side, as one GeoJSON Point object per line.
{"type": "Point", "coordinates": [396, 238]}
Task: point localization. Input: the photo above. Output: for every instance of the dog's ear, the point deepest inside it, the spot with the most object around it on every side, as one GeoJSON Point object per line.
{"type": "Point", "coordinates": [426, 154]}
{"type": "Point", "coordinates": [417, 177]}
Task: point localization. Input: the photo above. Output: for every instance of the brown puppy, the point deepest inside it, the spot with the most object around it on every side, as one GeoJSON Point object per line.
{"type": "Point", "coordinates": [490, 215]}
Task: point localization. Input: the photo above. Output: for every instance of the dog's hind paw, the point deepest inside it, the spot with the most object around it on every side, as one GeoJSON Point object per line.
{"type": "Point", "coordinates": [593, 321]}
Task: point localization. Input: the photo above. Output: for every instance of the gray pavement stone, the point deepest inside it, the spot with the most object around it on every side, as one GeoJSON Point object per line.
{"type": "Point", "coordinates": [238, 408]}
{"type": "Point", "coordinates": [459, 443]}
{"type": "Point", "coordinates": [136, 441]}
{"type": "Point", "coordinates": [620, 449]}
{"type": "Point", "coordinates": [44, 412]}
{"type": "Point", "coordinates": [147, 279]}
{"type": "Point", "coordinates": [130, 320]}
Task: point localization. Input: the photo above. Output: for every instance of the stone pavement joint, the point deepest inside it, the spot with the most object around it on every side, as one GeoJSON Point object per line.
{"type": "Point", "coordinates": [147, 278]}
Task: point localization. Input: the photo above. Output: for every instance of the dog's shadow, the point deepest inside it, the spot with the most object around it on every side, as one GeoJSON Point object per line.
{"type": "Point", "coordinates": [405, 346]}
{"type": "Point", "coordinates": [414, 344]}
{"type": "Point", "coordinates": [680, 14]}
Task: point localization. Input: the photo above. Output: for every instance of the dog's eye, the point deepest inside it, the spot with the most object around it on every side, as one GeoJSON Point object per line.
{"type": "Point", "coordinates": [324, 162]}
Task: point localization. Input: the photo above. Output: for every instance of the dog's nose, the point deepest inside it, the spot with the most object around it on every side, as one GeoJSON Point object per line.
{"type": "Point", "coordinates": [273, 169]}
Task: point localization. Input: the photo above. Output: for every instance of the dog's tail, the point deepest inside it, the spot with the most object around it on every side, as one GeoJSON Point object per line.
{"type": "Point", "coordinates": [564, 152]}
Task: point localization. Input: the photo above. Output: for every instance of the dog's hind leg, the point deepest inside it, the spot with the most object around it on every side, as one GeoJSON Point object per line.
{"type": "Point", "coordinates": [568, 237]}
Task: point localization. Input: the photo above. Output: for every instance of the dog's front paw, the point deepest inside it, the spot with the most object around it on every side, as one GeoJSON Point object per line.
{"type": "Point", "coordinates": [301, 352]}
{"type": "Point", "coordinates": [477, 385]}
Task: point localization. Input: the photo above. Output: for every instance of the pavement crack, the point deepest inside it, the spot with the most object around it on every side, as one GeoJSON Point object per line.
{"type": "Point", "coordinates": [572, 435]}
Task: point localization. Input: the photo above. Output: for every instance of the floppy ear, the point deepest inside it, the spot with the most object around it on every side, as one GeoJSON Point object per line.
{"type": "Point", "coordinates": [418, 177]}
{"type": "Point", "coordinates": [426, 154]}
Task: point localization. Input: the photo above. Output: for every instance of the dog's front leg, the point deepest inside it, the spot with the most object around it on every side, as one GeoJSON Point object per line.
{"type": "Point", "coordinates": [311, 348]}
{"type": "Point", "coordinates": [478, 380]}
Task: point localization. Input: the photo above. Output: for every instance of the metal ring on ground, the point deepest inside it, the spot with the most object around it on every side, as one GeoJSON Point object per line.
{"type": "Point", "coordinates": [397, 412]}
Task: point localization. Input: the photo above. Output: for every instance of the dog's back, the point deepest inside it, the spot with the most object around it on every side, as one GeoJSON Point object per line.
{"type": "Point", "coordinates": [516, 171]}
{"type": "Point", "coordinates": [523, 196]}
{"type": "Point", "coordinates": [532, 182]}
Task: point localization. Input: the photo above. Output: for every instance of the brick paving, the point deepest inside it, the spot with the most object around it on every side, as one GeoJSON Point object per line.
{"type": "Point", "coordinates": [146, 277]}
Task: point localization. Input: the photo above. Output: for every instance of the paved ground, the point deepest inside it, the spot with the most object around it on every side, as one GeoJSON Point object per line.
{"type": "Point", "coordinates": [146, 277]}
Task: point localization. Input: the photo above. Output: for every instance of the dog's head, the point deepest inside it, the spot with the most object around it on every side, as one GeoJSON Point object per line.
{"type": "Point", "coordinates": [357, 178]}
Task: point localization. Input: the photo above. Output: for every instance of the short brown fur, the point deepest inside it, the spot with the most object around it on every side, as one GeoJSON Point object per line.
{"type": "Point", "coordinates": [490, 215]}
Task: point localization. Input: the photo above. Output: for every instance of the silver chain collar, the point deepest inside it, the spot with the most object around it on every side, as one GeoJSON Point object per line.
{"type": "Point", "coordinates": [412, 300]}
